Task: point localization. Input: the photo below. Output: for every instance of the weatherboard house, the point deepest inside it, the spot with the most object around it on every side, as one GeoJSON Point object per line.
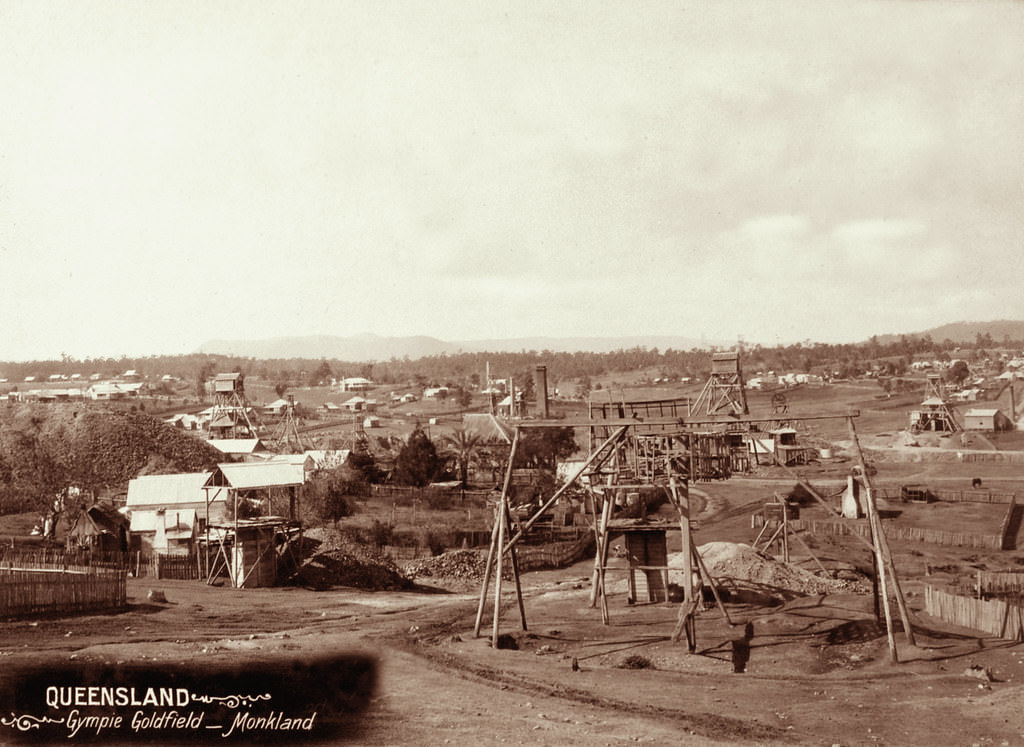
{"type": "Point", "coordinates": [168, 512]}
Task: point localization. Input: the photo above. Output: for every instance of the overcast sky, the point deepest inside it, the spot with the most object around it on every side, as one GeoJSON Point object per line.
{"type": "Point", "coordinates": [177, 171]}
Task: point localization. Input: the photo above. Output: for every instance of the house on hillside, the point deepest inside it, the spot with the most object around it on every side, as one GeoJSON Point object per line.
{"type": "Point", "coordinates": [328, 458]}
{"type": "Point", "coordinates": [278, 407]}
{"type": "Point", "coordinates": [113, 390]}
{"type": "Point", "coordinates": [355, 384]}
{"type": "Point", "coordinates": [185, 421]}
{"type": "Point", "coordinates": [986, 419]}
{"type": "Point", "coordinates": [355, 404]}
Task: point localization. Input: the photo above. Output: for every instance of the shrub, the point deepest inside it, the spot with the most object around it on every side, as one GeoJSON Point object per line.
{"type": "Point", "coordinates": [381, 534]}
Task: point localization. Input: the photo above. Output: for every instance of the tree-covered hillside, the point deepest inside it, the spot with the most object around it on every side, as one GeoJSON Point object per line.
{"type": "Point", "coordinates": [45, 449]}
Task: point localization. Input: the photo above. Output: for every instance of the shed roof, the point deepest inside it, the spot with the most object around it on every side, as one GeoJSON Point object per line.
{"type": "Point", "coordinates": [982, 412]}
{"type": "Point", "coordinates": [488, 427]}
{"type": "Point", "coordinates": [167, 490]}
{"type": "Point", "coordinates": [273, 474]}
{"type": "Point", "coordinates": [237, 445]}
{"type": "Point", "coordinates": [97, 519]}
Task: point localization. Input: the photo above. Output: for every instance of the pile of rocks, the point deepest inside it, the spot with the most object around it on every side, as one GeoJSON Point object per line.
{"type": "Point", "coordinates": [457, 564]}
{"type": "Point", "coordinates": [341, 562]}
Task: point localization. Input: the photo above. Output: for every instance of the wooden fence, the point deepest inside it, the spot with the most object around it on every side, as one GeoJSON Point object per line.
{"type": "Point", "coordinates": [1001, 584]}
{"type": "Point", "coordinates": [137, 564]}
{"type": "Point", "coordinates": [405, 495]}
{"type": "Point", "coordinates": [895, 495]}
{"type": "Point", "coordinates": [41, 591]}
{"type": "Point", "coordinates": [58, 557]}
{"type": "Point", "coordinates": [912, 534]}
{"type": "Point", "coordinates": [554, 555]}
{"type": "Point", "coordinates": [995, 617]}
{"type": "Point", "coordinates": [944, 455]}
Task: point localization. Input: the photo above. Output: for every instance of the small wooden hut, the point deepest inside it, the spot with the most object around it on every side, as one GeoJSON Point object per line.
{"type": "Point", "coordinates": [100, 527]}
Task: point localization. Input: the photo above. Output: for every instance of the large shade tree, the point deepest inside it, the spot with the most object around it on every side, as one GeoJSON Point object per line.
{"type": "Point", "coordinates": [417, 463]}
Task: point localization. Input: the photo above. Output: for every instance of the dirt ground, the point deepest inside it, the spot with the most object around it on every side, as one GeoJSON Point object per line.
{"type": "Point", "coordinates": [815, 669]}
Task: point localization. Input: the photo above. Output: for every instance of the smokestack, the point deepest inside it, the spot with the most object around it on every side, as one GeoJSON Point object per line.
{"type": "Point", "coordinates": [541, 385]}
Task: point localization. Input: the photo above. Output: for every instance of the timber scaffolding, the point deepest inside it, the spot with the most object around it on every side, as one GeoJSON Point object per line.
{"type": "Point", "coordinates": [662, 452]}
{"type": "Point", "coordinates": [251, 552]}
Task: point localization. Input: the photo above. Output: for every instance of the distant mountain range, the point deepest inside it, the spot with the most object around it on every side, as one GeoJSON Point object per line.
{"type": "Point", "coordinates": [961, 332]}
{"type": "Point", "coordinates": [370, 347]}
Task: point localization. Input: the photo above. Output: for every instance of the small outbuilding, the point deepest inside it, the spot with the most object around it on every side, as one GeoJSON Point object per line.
{"type": "Point", "coordinates": [986, 419]}
{"type": "Point", "coordinates": [101, 528]}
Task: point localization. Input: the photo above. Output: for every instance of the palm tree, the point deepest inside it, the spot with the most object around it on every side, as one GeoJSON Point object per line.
{"type": "Point", "coordinates": [464, 447]}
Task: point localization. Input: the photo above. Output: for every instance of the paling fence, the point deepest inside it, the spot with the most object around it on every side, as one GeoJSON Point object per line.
{"type": "Point", "coordinates": [136, 564]}
{"type": "Point", "coordinates": [407, 495]}
{"type": "Point", "coordinates": [550, 549]}
{"type": "Point", "coordinates": [555, 554]}
{"type": "Point", "coordinates": [61, 590]}
{"type": "Point", "coordinates": [1005, 585]}
{"type": "Point", "coordinates": [993, 616]}
{"type": "Point", "coordinates": [895, 495]}
{"type": "Point", "coordinates": [946, 455]}
{"type": "Point", "coordinates": [914, 534]}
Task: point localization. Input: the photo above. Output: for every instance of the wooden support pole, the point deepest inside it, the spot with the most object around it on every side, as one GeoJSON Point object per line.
{"type": "Point", "coordinates": [876, 531]}
{"type": "Point", "coordinates": [689, 607]}
{"type": "Point", "coordinates": [495, 551]}
{"type": "Point", "coordinates": [785, 532]}
{"type": "Point", "coordinates": [601, 554]}
{"type": "Point", "coordinates": [502, 513]}
{"type": "Point", "coordinates": [885, 552]}
{"type": "Point", "coordinates": [487, 575]}
{"type": "Point", "coordinates": [515, 572]}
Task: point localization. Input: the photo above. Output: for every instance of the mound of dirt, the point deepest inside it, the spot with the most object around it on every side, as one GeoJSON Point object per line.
{"type": "Point", "coordinates": [339, 561]}
{"type": "Point", "coordinates": [457, 564]}
{"type": "Point", "coordinates": [742, 566]}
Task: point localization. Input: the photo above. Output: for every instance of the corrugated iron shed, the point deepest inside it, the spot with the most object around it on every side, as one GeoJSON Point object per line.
{"type": "Point", "coordinates": [252, 475]}
{"type": "Point", "coordinates": [167, 490]}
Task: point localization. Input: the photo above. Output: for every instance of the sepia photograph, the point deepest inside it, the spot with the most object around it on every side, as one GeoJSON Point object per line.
{"type": "Point", "coordinates": [542, 373]}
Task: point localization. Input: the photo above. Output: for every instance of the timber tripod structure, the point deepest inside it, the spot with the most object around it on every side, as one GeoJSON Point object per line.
{"type": "Point", "coordinates": [641, 452]}
{"type": "Point", "coordinates": [287, 436]}
{"type": "Point", "coordinates": [724, 390]}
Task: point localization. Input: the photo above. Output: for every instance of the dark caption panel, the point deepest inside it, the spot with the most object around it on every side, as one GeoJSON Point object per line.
{"type": "Point", "coordinates": [297, 701]}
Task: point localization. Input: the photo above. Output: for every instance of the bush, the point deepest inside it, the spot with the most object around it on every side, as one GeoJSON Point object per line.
{"type": "Point", "coordinates": [431, 539]}
{"type": "Point", "coordinates": [381, 534]}
{"type": "Point", "coordinates": [330, 496]}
